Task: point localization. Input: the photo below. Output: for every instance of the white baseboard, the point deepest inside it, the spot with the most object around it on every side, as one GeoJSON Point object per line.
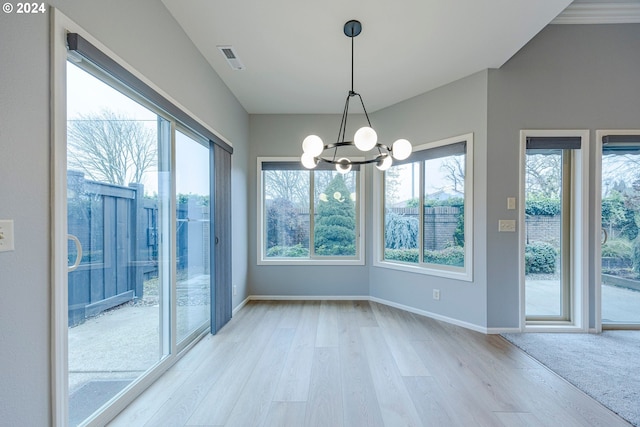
{"type": "Point", "coordinates": [555, 329]}
{"type": "Point", "coordinates": [309, 298]}
{"type": "Point", "coordinates": [239, 306]}
{"type": "Point", "coordinates": [363, 298]}
{"type": "Point", "coordinates": [435, 316]}
{"type": "Point", "coordinates": [463, 324]}
{"type": "Point", "coordinates": [497, 331]}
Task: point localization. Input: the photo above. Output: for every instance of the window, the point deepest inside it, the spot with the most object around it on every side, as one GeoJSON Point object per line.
{"type": "Point", "coordinates": [426, 210]}
{"type": "Point", "coordinates": [308, 216]}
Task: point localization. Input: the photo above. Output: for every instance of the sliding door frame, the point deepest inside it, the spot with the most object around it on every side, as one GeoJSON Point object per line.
{"type": "Point", "coordinates": [60, 26]}
{"type": "Point", "coordinates": [597, 227]}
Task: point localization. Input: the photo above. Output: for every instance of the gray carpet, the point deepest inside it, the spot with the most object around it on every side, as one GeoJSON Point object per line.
{"type": "Point", "coordinates": [605, 366]}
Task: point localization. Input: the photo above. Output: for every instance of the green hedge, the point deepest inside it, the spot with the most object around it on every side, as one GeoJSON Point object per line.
{"type": "Point", "coordinates": [453, 256]}
{"type": "Point", "coordinates": [540, 257]}
{"type": "Point", "coordinates": [297, 251]}
{"type": "Point", "coordinates": [403, 255]}
{"type": "Point", "coordinates": [618, 248]}
{"type": "Point", "coordinates": [542, 206]}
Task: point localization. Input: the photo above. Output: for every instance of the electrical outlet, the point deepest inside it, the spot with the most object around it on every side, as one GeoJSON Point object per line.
{"type": "Point", "coordinates": [6, 235]}
{"type": "Point", "coordinates": [511, 203]}
{"type": "Point", "coordinates": [436, 294]}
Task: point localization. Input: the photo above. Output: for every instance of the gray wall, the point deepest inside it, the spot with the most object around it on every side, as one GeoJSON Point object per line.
{"type": "Point", "coordinates": [278, 136]}
{"type": "Point", "coordinates": [24, 196]}
{"type": "Point", "coordinates": [454, 109]}
{"type": "Point", "coordinates": [567, 77]}
{"type": "Point", "coordinates": [148, 38]}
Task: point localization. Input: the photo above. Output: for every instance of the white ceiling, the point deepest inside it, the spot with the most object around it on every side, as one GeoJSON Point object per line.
{"type": "Point", "coordinates": [297, 58]}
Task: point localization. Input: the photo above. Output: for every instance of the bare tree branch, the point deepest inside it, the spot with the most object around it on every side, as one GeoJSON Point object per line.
{"type": "Point", "coordinates": [109, 147]}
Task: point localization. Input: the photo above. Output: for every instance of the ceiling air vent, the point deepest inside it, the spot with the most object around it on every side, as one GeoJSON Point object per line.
{"type": "Point", "coordinates": [232, 57]}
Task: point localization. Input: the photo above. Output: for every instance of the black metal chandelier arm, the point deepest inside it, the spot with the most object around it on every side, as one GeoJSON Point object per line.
{"type": "Point", "coordinates": [363, 107]}
{"type": "Point", "coordinates": [343, 122]}
{"type": "Point", "coordinates": [351, 162]}
{"type": "Point", "coordinates": [378, 145]}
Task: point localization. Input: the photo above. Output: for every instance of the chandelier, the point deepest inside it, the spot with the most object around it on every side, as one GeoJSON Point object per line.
{"type": "Point", "coordinates": [365, 139]}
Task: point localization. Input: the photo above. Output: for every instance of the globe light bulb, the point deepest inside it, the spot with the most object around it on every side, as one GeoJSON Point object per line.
{"type": "Point", "coordinates": [384, 163]}
{"type": "Point", "coordinates": [401, 149]}
{"type": "Point", "coordinates": [308, 161]}
{"type": "Point", "coordinates": [344, 166]}
{"type": "Point", "coordinates": [365, 138]}
{"type": "Point", "coordinates": [313, 145]}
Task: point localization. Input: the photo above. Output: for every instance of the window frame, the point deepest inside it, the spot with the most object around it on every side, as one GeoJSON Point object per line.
{"type": "Point", "coordinates": [358, 259]}
{"type": "Point", "coordinates": [459, 273]}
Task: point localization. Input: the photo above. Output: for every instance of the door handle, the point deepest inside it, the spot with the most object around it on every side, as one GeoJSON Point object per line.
{"type": "Point", "coordinates": [605, 236]}
{"type": "Point", "coordinates": [78, 255]}
{"type": "Point", "coordinates": [217, 240]}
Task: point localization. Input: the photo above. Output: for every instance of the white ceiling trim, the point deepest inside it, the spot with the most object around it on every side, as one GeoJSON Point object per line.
{"type": "Point", "coordinates": [599, 13]}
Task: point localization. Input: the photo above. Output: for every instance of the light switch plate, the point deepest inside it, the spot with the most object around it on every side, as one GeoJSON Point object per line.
{"type": "Point", "coordinates": [6, 235]}
{"type": "Point", "coordinates": [511, 203]}
{"type": "Point", "coordinates": [508, 225]}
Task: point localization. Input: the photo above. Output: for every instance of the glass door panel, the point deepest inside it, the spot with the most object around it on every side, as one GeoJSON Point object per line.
{"type": "Point", "coordinates": [620, 278]}
{"type": "Point", "coordinates": [193, 233]}
{"type": "Point", "coordinates": [547, 199]}
{"type": "Point", "coordinates": [118, 283]}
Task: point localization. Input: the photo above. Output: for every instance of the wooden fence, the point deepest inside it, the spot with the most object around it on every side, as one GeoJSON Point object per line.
{"type": "Point", "coordinates": [118, 230]}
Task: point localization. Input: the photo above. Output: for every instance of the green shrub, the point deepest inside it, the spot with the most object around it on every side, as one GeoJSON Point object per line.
{"type": "Point", "coordinates": [619, 213]}
{"type": "Point", "coordinates": [453, 255]}
{"type": "Point", "coordinates": [618, 248]}
{"type": "Point", "coordinates": [542, 206]}
{"type": "Point", "coordinates": [297, 251]}
{"type": "Point", "coordinates": [335, 226]}
{"type": "Point", "coordinates": [636, 255]}
{"type": "Point", "coordinates": [402, 255]}
{"type": "Point", "coordinates": [540, 257]}
{"type": "Point", "coordinates": [400, 231]}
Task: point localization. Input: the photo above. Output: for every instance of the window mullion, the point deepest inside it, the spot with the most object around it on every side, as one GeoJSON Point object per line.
{"type": "Point", "coordinates": [421, 232]}
{"type": "Point", "coordinates": [565, 261]}
{"type": "Point", "coordinates": [312, 215]}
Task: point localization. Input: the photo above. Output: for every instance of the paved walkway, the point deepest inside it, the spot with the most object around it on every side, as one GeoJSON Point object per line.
{"type": "Point", "coordinates": [110, 350]}
{"type": "Point", "coordinates": [619, 305]}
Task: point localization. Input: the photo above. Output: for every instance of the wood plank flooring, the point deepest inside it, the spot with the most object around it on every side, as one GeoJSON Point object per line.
{"type": "Point", "coordinates": [357, 363]}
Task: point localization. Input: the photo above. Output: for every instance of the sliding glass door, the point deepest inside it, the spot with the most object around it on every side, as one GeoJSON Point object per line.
{"type": "Point", "coordinates": [140, 238]}
{"type": "Point", "coordinates": [620, 239]}
{"type": "Point", "coordinates": [193, 234]}
{"type": "Point", "coordinates": [118, 198]}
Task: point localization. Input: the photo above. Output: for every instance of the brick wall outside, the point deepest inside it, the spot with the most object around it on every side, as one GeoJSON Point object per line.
{"type": "Point", "coordinates": [543, 228]}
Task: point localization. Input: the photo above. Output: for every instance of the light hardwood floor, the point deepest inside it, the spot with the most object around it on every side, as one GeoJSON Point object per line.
{"type": "Point", "coordinates": [357, 363]}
